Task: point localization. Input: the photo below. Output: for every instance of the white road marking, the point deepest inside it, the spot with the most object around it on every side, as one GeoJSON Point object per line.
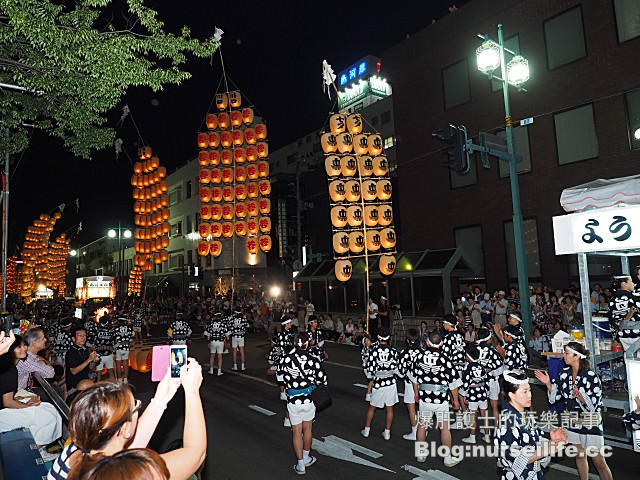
{"type": "Point", "coordinates": [359, 385]}
{"type": "Point", "coordinates": [250, 377]}
{"type": "Point", "coordinates": [429, 474]}
{"type": "Point", "coordinates": [264, 411]}
{"type": "Point", "coordinates": [572, 471]}
{"type": "Point", "coordinates": [336, 447]}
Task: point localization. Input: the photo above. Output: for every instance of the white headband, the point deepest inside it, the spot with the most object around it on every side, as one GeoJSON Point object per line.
{"type": "Point", "coordinates": [384, 338]}
{"type": "Point", "coordinates": [507, 376]}
{"type": "Point", "coordinates": [284, 322]}
{"type": "Point", "coordinates": [575, 352]}
{"type": "Point", "coordinates": [435, 345]}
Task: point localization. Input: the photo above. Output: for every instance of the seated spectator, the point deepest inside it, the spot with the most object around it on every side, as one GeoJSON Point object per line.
{"type": "Point", "coordinates": [349, 331]}
{"type": "Point", "coordinates": [79, 361]}
{"type": "Point", "coordinates": [27, 411]}
{"type": "Point", "coordinates": [33, 362]}
{"type": "Point", "coordinates": [327, 326]}
{"type": "Point", "coordinates": [470, 334]}
{"type": "Point", "coordinates": [339, 329]}
{"type": "Point", "coordinates": [538, 344]}
{"type": "Point", "coordinates": [104, 421]}
{"type": "Point", "coordinates": [138, 463]}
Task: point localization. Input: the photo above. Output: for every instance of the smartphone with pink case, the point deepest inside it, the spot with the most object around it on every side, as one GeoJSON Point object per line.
{"type": "Point", "coordinates": [161, 362]}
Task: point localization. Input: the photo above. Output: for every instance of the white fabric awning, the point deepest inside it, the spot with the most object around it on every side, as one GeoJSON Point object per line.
{"type": "Point", "coordinates": [601, 193]}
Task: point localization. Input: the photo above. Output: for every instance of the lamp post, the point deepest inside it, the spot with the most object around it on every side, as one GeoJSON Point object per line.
{"type": "Point", "coordinates": [120, 233]}
{"type": "Point", "coordinates": [74, 254]}
{"type": "Point", "coordinates": [490, 56]}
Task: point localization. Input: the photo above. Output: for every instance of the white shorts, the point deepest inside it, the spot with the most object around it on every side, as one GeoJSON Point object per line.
{"type": "Point", "coordinates": [105, 361]}
{"type": "Point", "coordinates": [122, 355]}
{"type": "Point", "coordinates": [301, 413]}
{"type": "Point", "coordinates": [216, 346]}
{"type": "Point", "coordinates": [481, 405]}
{"type": "Point", "coordinates": [427, 410]}
{"type": "Point", "coordinates": [409, 394]}
{"type": "Point", "coordinates": [238, 342]}
{"type": "Point", "coordinates": [384, 396]}
{"type": "Point", "coordinates": [494, 389]}
{"type": "Point", "coordinates": [179, 342]}
{"type": "Point", "coordinates": [137, 329]}
{"type": "Point", "coordinates": [595, 441]}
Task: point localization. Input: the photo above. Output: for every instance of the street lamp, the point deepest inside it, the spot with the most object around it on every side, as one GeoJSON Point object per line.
{"type": "Point", "coordinates": [490, 56]}
{"type": "Point", "coordinates": [120, 232]}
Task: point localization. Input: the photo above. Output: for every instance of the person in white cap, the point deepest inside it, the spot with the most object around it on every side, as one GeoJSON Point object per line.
{"type": "Point", "coordinates": [500, 309]}
{"type": "Point", "coordinates": [382, 364]}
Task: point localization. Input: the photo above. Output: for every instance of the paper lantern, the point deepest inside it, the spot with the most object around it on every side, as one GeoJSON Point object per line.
{"type": "Point", "coordinates": [252, 153]}
{"type": "Point", "coordinates": [371, 215]}
{"type": "Point", "coordinates": [252, 190]}
{"type": "Point", "coordinates": [162, 171]}
{"type": "Point", "coordinates": [227, 175]}
{"type": "Point", "coordinates": [386, 215]}
{"type": "Point", "coordinates": [264, 206]}
{"type": "Point", "coordinates": [343, 269]}
{"type": "Point", "coordinates": [240, 228]}
{"type": "Point", "coordinates": [216, 229]}
{"type": "Point", "coordinates": [215, 248]}
{"type": "Point", "coordinates": [329, 143]}
{"type": "Point", "coordinates": [263, 169]}
{"type": "Point", "coordinates": [365, 166]}
{"type": "Point", "coordinates": [239, 155]}
{"type": "Point", "coordinates": [263, 150]}
{"type": "Point", "coordinates": [227, 211]}
{"type": "Point", "coordinates": [247, 116]}
{"type": "Point", "coordinates": [215, 139]}
{"type": "Point", "coordinates": [205, 194]}
{"type": "Point", "coordinates": [137, 166]}
{"type": "Point", "coordinates": [211, 121]}
{"type": "Point", "coordinates": [380, 166]}
{"type": "Point", "coordinates": [252, 208]}
{"type": "Point", "coordinates": [214, 157]}
{"type": "Point", "coordinates": [216, 194]}
{"type": "Point", "coordinates": [241, 174]}
{"type": "Point", "coordinates": [166, 227]}
{"type": "Point", "coordinates": [226, 157]}
{"type": "Point", "coordinates": [356, 241]}
{"type": "Point", "coordinates": [339, 216]}
{"type": "Point", "coordinates": [252, 226]}
{"type": "Point", "coordinates": [203, 142]}
{"type": "Point", "coordinates": [352, 190]}
{"type": "Point", "coordinates": [374, 144]}
{"type": "Point", "coordinates": [227, 229]}
{"type": "Point", "coordinates": [203, 248]}
{"type": "Point", "coordinates": [332, 166]}
{"type": "Point", "coordinates": [226, 139]}
{"type": "Point", "coordinates": [241, 210]}
{"type": "Point", "coordinates": [265, 243]}
{"type": "Point", "coordinates": [252, 245]}
{"type": "Point", "coordinates": [354, 215]}
{"type": "Point", "coordinates": [223, 121]}
{"type": "Point", "coordinates": [341, 242]}
{"type": "Point", "coordinates": [264, 186]}
{"type": "Point", "coordinates": [237, 137]}
{"type": "Point", "coordinates": [337, 123]}
{"type": "Point", "coordinates": [369, 190]}
{"type": "Point", "coordinates": [228, 193]}
{"type": "Point", "coordinates": [205, 212]}
{"type": "Point", "coordinates": [252, 171]}
{"type": "Point", "coordinates": [222, 101]}
{"type": "Point", "coordinates": [384, 189]}
{"type": "Point", "coordinates": [373, 239]}
{"type": "Point", "coordinates": [164, 186]}
{"type": "Point", "coordinates": [261, 131]}
{"type": "Point", "coordinates": [387, 264]}
{"type": "Point", "coordinates": [203, 158]}
{"type": "Point", "coordinates": [388, 238]}
{"type": "Point", "coordinates": [205, 175]}
{"type": "Point", "coordinates": [354, 123]}
{"type": "Point", "coordinates": [216, 212]}
{"type": "Point", "coordinates": [241, 192]}
{"type": "Point", "coordinates": [236, 118]}
{"type": "Point", "coordinates": [250, 136]}
{"type": "Point", "coordinates": [215, 176]}
{"type": "Point", "coordinates": [360, 144]}
{"type": "Point", "coordinates": [337, 190]}
{"type": "Point", "coordinates": [345, 142]}
{"type": "Point", "coordinates": [348, 166]}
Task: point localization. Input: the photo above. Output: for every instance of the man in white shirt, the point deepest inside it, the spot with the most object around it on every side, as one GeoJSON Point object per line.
{"type": "Point", "coordinates": [309, 310]}
{"type": "Point", "coordinates": [373, 318]}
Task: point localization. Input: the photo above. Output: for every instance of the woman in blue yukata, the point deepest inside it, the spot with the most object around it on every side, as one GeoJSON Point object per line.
{"type": "Point", "coordinates": [523, 450]}
{"type": "Point", "coordinates": [581, 390]}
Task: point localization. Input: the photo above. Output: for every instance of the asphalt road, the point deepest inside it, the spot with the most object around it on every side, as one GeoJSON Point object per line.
{"type": "Point", "coordinates": [247, 440]}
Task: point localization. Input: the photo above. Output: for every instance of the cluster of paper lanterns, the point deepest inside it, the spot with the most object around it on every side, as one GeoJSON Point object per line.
{"type": "Point", "coordinates": [234, 178]}
{"type": "Point", "coordinates": [57, 263]}
{"type": "Point", "coordinates": [360, 192]}
{"type": "Point", "coordinates": [151, 208]}
{"type": "Point", "coordinates": [12, 274]}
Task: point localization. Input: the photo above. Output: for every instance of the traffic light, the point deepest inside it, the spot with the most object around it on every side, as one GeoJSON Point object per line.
{"type": "Point", "coordinates": [456, 151]}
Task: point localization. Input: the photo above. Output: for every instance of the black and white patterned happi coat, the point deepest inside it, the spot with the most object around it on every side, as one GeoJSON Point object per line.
{"type": "Point", "coordinates": [632, 420]}
{"type": "Point", "coordinates": [239, 326]}
{"type": "Point", "coordinates": [299, 370]}
{"type": "Point", "coordinates": [475, 382]}
{"type": "Point", "coordinates": [619, 306]}
{"type": "Point", "coordinates": [453, 348]}
{"type": "Point", "coordinates": [382, 358]}
{"type": "Point", "coordinates": [491, 360]}
{"type": "Point", "coordinates": [432, 367]}
{"type": "Point", "coordinates": [406, 360]}
{"type": "Point", "coordinates": [216, 330]}
{"type": "Point", "coordinates": [515, 431]}
{"type": "Point", "coordinates": [515, 356]}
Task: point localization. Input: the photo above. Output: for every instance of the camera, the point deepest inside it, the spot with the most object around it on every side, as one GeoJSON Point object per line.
{"type": "Point", "coordinates": [9, 323]}
{"type": "Point", "coordinates": [395, 307]}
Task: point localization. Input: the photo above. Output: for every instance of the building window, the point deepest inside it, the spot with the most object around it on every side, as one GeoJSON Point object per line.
{"type": "Point", "coordinates": [470, 178]}
{"type": "Point", "coordinates": [176, 260]}
{"type": "Point", "coordinates": [521, 141]}
{"type": "Point", "coordinates": [189, 224]}
{"type": "Point", "coordinates": [532, 251]}
{"type": "Point", "coordinates": [455, 84]}
{"type": "Point", "coordinates": [176, 229]}
{"type": "Point", "coordinates": [374, 120]}
{"type": "Point", "coordinates": [513, 44]}
{"type": "Point", "coordinates": [470, 238]}
{"type": "Point", "coordinates": [189, 257]}
{"type": "Point", "coordinates": [576, 138]}
{"type": "Point", "coordinates": [357, 107]}
{"type": "Point", "coordinates": [385, 117]}
{"type": "Point", "coordinates": [389, 142]}
{"type": "Point", "coordinates": [564, 38]}
{"type": "Point", "coordinates": [292, 158]}
{"type": "Point", "coordinates": [633, 118]}
{"type": "Point", "coordinates": [188, 189]}
{"type": "Point", "coordinates": [175, 196]}
{"type": "Point", "coordinates": [627, 19]}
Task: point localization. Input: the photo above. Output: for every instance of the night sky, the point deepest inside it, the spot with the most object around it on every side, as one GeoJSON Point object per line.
{"type": "Point", "coordinates": [272, 52]}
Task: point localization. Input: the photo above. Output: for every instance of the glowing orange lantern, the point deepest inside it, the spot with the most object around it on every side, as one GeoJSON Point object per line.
{"type": "Point", "coordinates": [265, 243]}
{"type": "Point", "coordinates": [247, 116]}
{"type": "Point", "coordinates": [214, 139]}
{"type": "Point", "coordinates": [264, 186]}
{"type": "Point", "coordinates": [226, 157]}
{"type": "Point", "coordinates": [226, 139]}
{"type": "Point", "coordinates": [216, 212]}
{"type": "Point", "coordinates": [205, 212]}
{"type": "Point", "coordinates": [211, 121]}
{"type": "Point", "coordinates": [241, 174]}
{"type": "Point", "coordinates": [235, 99]}
{"type": "Point", "coordinates": [265, 224]}
{"type": "Point", "coordinates": [252, 171]}
{"type": "Point", "coordinates": [252, 226]}
{"type": "Point", "coordinates": [204, 229]}
{"type": "Point", "coordinates": [227, 175]}
{"type": "Point", "coordinates": [205, 175]}
{"type": "Point", "coordinates": [236, 118]}
{"type": "Point", "coordinates": [240, 228]}
{"type": "Point", "coordinates": [263, 150]}
{"type": "Point", "coordinates": [329, 143]}
{"type": "Point", "coordinates": [264, 206]}
{"type": "Point", "coordinates": [237, 137]}
{"type": "Point", "coordinates": [354, 123]}
{"type": "Point", "coordinates": [203, 158]}
{"type": "Point", "coordinates": [222, 101]}
{"type": "Point", "coordinates": [203, 248]}
{"type": "Point", "coordinates": [203, 141]}
{"type": "Point", "coordinates": [252, 208]}
{"type": "Point", "coordinates": [223, 121]}
{"type": "Point", "coordinates": [252, 245]}
{"type": "Point", "coordinates": [239, 155]}
{"type": "Point", "coordinates": [227, 211]}
{"type": "Point", "coordinates": [252, 190]}
{"type": "Point", "coordinates": [205, 194]}
{"type": "Point", "coordinates": [214, 157]}
{"type": "Point", "coordinates": [227, 229]}
{"type": "Point", "coordinates": [216, 229]}
{"type": "Point", "coordinates": [228, 193]}
{"type": "Point", "coordinates": [241, 210]}
{"type": "Point", "coordinates": [215, 248]}
{"type": "Point", "coordinates": [241, 192]}
{"type": "Point", "coordinates": [252, 153]}
{"type": "Point", "coordinates": [250, 136]}
{"type": "Point", "coordinates": [360, 144]}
